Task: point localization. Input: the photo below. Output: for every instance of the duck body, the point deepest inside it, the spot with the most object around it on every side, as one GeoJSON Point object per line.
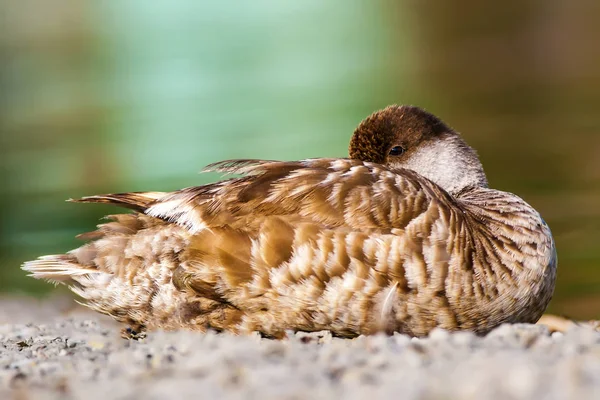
{"type": "Point", "coordinates": [354, 246]}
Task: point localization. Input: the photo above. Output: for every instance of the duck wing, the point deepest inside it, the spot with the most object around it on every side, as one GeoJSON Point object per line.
{"type": "Point", "coordinates": [361, 196]}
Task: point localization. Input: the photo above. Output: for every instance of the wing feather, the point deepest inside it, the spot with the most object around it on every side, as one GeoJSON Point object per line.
{"type": "Point", "coordinates": [138, 201]}
{"type": "Point", "coordinates": [331, 192]}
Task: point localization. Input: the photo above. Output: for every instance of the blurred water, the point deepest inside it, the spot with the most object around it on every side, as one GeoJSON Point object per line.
{"type": "Point", "coordinates": [116, 96]}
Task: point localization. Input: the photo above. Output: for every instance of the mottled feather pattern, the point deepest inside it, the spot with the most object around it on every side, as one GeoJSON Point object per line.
{"type": "Point", "coordinates": [354, 246]}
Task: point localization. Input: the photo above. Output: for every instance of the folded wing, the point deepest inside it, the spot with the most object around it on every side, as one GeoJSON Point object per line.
{"type": "Point", "coordinates": [331, 192]}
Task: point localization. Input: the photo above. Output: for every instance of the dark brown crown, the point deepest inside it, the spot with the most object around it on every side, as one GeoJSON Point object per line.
{"type": "Point", "coordinates": [394, 125]}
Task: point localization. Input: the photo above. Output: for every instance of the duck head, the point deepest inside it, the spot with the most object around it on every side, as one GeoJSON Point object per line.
{"type": "Point", "coordinates": [407, 137]}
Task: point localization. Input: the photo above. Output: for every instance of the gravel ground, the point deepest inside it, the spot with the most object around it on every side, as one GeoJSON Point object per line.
{"type": "Point", "coordinates": [52, 350]}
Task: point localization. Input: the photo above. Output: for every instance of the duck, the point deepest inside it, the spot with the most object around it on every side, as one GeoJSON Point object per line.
{"type": "Point", "coordinates": [403, 236]}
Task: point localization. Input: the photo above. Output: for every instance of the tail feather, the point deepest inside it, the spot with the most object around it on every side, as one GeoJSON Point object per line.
{"type": "Point", "coordinates": [58, 269]}
{"type": "Point", "coordinates": [138, 201]}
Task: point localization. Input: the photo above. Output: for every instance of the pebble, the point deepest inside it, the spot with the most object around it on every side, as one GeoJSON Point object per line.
{"type": "Point", "coordinates": [83, 357]}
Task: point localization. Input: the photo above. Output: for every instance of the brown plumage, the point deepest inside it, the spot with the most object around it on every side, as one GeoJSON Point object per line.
{"type": "Point", "coordinates": [405, 236]}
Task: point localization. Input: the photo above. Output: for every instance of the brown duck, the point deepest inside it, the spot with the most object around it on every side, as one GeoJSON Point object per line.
{"type": "Point", "coordinates": [404, 236]}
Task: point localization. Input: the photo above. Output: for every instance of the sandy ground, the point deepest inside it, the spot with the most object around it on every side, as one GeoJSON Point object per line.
{"type": "Point", "coordinates": [52, 350]}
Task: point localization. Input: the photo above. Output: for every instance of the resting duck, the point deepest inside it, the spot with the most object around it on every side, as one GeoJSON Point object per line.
{"type": "Point", "coordinates": [403, 236]}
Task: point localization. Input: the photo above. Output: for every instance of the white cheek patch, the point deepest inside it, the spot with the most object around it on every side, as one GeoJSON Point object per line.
{"type": "Point", "coordinates": [448, 163]}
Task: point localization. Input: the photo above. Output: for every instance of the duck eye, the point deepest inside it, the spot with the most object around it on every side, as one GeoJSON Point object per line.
{"type": "Point", "coordinates": [396, 151]}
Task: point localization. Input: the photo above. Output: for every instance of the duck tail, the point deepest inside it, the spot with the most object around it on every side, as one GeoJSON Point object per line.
{"type": "Point", "coordinates": [115, 273]}
{"type": "Point", "coordinates": [61, 269]}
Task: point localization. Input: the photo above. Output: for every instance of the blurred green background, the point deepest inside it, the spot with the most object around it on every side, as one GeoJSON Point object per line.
{"type": "Point", "coordinates": [112, 96]}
